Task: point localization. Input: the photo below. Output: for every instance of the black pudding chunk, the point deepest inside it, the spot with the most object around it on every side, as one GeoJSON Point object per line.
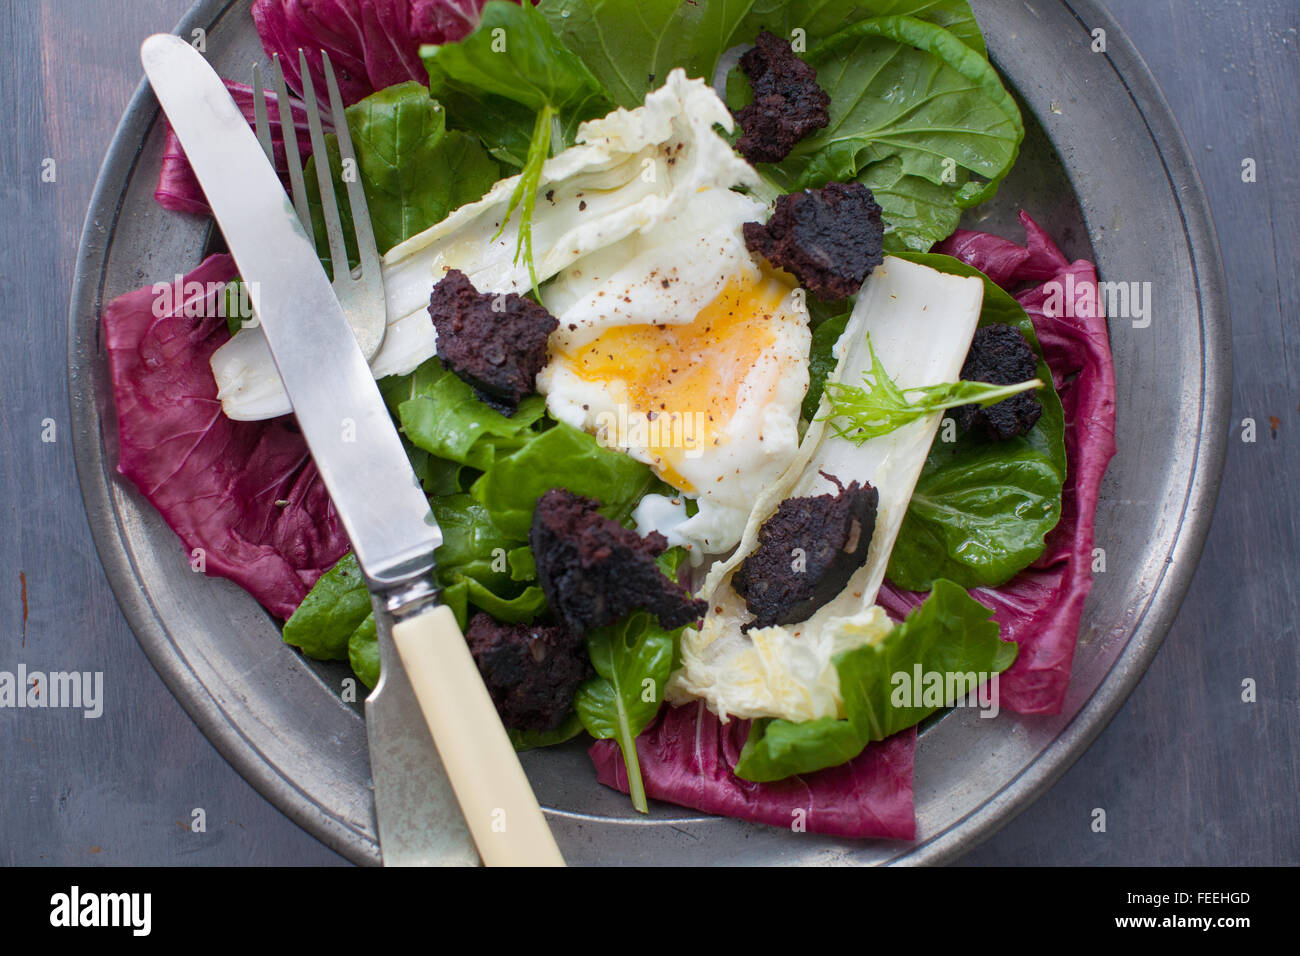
{"type": "Point", "coordinates": [531, 671]}
{"type": "Point", "coordinates": [788, 104]}
{"type": "Point", "coordinates": [830, 238]}
{"type": "Point", "coordinates": [594, 571]}
{"type": "Point", "coordinates": [806, 553]}
{"type": "Point", "coordinates": [496, 343]}
{"type": "Point", "coordinates": [1000, 354]}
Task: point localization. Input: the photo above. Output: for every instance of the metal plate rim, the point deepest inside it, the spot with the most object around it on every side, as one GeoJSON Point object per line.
{"type": "Point", "coordinates": [1194, 525]}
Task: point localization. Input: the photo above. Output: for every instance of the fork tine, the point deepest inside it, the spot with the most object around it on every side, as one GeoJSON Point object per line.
{"type": "Point", "coordinates": [325, 179]}
{"type": "Point", "coordinates": [289, 133]}
{"type": "Point", "coordinates": [361, 225]}
{"type": "Point", "coordinates": [260, 121]}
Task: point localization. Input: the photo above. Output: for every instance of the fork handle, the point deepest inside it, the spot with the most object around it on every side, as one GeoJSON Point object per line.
{"type": "Point", "coordinates": [494, 794]}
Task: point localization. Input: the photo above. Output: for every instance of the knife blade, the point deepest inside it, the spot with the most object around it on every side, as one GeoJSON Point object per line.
{"type": "Point", "coordinates": [347, 427]}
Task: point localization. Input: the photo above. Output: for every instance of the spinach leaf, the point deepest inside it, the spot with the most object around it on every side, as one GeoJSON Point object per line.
{"type": "Point", "coordinates": [331, 611]}
{"type": "Point", "coordinates": [633, 660]}
{"type": "Point", "coordinates": [916, 115]}
{"type": "Point", "coordinates": [631, 47]}
{"type": "Point", "coordinates": [363, 645]}
{"type": "Point", "coordinates": [821, 18]}
{"type": "Point", "coordinates": [523, 567]}
{"type": "Point", "coordinates": [504, 128]}
{"type": "Point", "coordinates": [951, 633]}
{"type": "Point", "coordinates": [438, 475]}
{"type": "Point", "coordinates": [413, 169]}
{"type": "Point", "coordinates": [473, 544]}
{"type": "Point", "coordinates": [515, 56]}
{"type": "Point", "coordinates": [397, 389]}
{"type": "Point", "coordinates": [465, 595]}
{"type": "Point", "coordinates": [561, 456]}
{"type": "Point", "coordinates": [474, 564]}
{"type": "Point", "coordinates": [981, 510]}
{"type": "Point", "coordinates": [334, 621]}
{"type": "Point", "coordinates": [821, 362]}
{"type": "Point", "coordinates": [671, 562]}
{"type": "Point", "coordinates": [363, 652]}
{"type": "Point", "coordinates": [530, 739]}
{"type": "Point", "coordinates": [440, 413]}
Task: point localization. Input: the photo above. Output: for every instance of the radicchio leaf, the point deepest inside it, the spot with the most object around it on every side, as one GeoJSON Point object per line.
{"type": "Point", "coordinates": [687, 756]}
{"type": "Point", "coordinates": [372, 44]}
{"type": "Point", "coordinates": [246, 493]}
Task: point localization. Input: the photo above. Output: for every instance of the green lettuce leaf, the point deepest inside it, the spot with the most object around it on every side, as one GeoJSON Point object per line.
{"type": "Point", "coordinates": [523, 567]}
{"type": "Point", "coordinates": [440, 413]}
{"type": "Point", "coordinates": [632, 46]}
{"type": "Point", "coordinates": [633, 660]}
{"type": "Point", "coordinates": [413, 169]}
{"type": "Point", "coordinates": [473, 544]}
{"type": "Point", "coordinates": [821, 18]}
{"type": "Point", "coordinates": [530, 739]}
{"type": "Point", "coordinates": [918, 116]}
{"type": "Point", "coordinates": [331, 611]}
{"type": "Point", "coordinates": [951, 633]}
{"type": "Point", "coordinates": [982, 509]}
{"type": "Point", "coordinates": [513, 56]}
{"type": "Point", "coordinates": [474, 564]}
{"type": "Point", "coordinates": [560, 457]}
{"type": "Point", "coordinates": [363, 652]}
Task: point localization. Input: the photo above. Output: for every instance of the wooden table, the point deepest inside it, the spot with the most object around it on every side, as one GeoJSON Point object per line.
{"type": "Point", "coordinates": [1187, 773]}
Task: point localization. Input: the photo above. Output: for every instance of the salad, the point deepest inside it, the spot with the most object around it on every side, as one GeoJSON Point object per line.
{"type": "Point", "coordinates": [789, 439]}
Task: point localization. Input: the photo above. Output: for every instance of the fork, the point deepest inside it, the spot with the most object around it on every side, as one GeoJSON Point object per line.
{"type": "Point", "coordinates": [361, 290]}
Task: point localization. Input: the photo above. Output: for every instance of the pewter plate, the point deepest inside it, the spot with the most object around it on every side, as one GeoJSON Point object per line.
{"type": "Point", "coordinates": [1104, 168]}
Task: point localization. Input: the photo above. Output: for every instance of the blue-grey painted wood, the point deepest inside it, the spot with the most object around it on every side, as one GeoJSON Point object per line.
{"type": "Point", "coordinates": [122, 788]}
{"type": "Point", "coordinates": [1187, 772]}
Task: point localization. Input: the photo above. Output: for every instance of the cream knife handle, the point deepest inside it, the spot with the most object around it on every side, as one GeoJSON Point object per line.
{"type": "Point", "coordinates": [491, 788]}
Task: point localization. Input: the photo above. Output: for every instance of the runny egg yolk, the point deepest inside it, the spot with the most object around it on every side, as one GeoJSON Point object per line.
{"type": "Point", "coordinates": [678, 385]}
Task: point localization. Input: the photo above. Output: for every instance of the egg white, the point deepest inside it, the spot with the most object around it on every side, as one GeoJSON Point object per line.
{"type": "Point", "coordinates": [725, 424]}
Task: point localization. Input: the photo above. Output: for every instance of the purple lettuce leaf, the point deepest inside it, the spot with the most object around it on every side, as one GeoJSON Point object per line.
{"type": "Point", "coordinates": [246, 493]}
{"type": "Point", "coordinates": [372, 44]}
{"type": "Point", "coordinates": [1040, 608]}
{"type": "Point", "coordinates": [687, 756]}
{"type": "Point", "coordinates": [179, 190]}
{"type": "Point", "coordinates": [1006, 263]}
